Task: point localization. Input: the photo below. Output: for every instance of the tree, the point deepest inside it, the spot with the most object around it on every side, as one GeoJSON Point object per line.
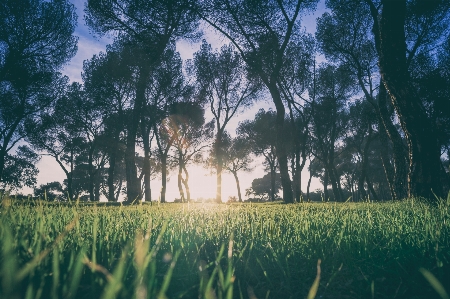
{"type": "Point", "coordinates": [146, 28]}
{"type": "Point", "coordinates": [396, 26]}
{"type": "Point", "coordinates": [358, 142]}
{"type": "Point", "coordinates": [237, 158]}
{"type": "Point", "coordinates": [225, 86]}
{"type": "Point", "coordinates": [328, 124]}
{"type": "Point", "coordinates": [262, 186]}
{"type": "Point", "coordinates": [166, 87]}
{"type": "Point", "coordinates": [58, 133]}
{"type": "Point", "coordinates": [261, 135]}
{"type": "Point", "coordinates": [295, 81]}
{"type": "Point", "coordinates": [20, 169]}
{"type": "Point", "coordinates": [108, 81]}
{"type": "Point", "coordinates": [186, 124]}
{"type": "Point", "coordinates": [344, 37]}
{"type": "Point", "coordinates": [50, 191]}
{"type": "Point", "coordinates": [262, 31]}
{"type": "Point", "coordinates": [36, 40]}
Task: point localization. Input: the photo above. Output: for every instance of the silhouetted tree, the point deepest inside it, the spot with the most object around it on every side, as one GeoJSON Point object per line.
{"type": "Point", "coordinates": [186, 123]}
{"type": "Point", "coordinates": [344, 37]}
{"type": "Point", "coordinates": [262, 31]}
{"type": "Point", "coordinates": [20, 169]}
{"type": "Point", "coordinates": [237, 157]}
{"type": "Point", "coordinates": [401, 30]}
{"type": "Point", "coordinates": [167, 86]}
{"type": "Point", "coordinates": [108, 81]}
{"type": "Point", "coordinates": [295, 83]}
{"type": "Point", "coordinates": [224, 85]}
{"type": "Point", "coordinates": [328, 124]}
{"type": "Point", "coordinates": [262, 186]}
{"type": "Point", "coordinates": [36, 40]}
{"type": "Point", "coordinates": [261, 135]}
{"type": "Point", "coordinates": [146, 28]}
{"type": "Point", "coordinates": [50, 191]}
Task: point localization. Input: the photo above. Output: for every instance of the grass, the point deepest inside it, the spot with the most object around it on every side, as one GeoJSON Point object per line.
{"type": "Point", "coordinates": [309, 250]}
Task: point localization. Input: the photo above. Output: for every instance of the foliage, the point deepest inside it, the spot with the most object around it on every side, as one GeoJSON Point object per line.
{"type": "Point", "coordinates": [262, 186]}
{"type": "Point", "coordinates": [36, 40]}
{"type": "Point", "coordinates": [50, 191]}
{"type": "Point", "coordinates": [20, 169]}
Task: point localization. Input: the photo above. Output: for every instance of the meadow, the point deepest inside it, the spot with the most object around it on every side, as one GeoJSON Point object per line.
{"type": "Point", "coordinates": [272, 250]}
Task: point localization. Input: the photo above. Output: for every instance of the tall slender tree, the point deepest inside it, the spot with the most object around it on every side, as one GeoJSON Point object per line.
{"type": "Point", "coordinates": [237, 159]}
{"type": "Point", "coordinates": [328, 124]}
{"type": "Point", "coordinates": [108, 81]}
{"type": "Point", "coordinates": [344, 37]}
{"type": "Point", "coordinates": [260, 133]}
{"type": "Point", "coordinates": [186, 123]}
{"type": "Point", "coordinates": [262, 31]}
{"type": "Point", "coordinates": [146, 28]}
{"type": "Point", "coordinates": [227, 89]}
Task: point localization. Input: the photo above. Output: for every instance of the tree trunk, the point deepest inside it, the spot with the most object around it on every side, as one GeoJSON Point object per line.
{"type": "Point", "coordinates": [186, 184]}
{"type": "Point", "coordinates": [325, 185]}
{"type": "Point", "coordinates": [361, 190]}
{"type": "Point", "coordinates": [97, 186]}
{"type": "Point", "coordinates": [179, 181]}
{"type": "Point", "coordinates": [309, 186]}
{"type": "Point", "coordinates": [69, 175]}
{"type": "Point", "coordinates": [423, 146]}
{"type": "Point", "coordinates": [384, 156]}
{"type": "Point", "coordinates": [399, 150]}
{"type": "Point", "coordinates": [6, 140]}
{"type": "Point", "coordinates": [335, 182]}
{"type": "Point", "coordinates": [272, 180]}
{"type": "Point", "coordinates": [163, 178]}
{"type": "Point", "coordinates": [219, 181]}
{"type": "Point", "coordinates": [119, 188]}
{"type": "Point", "coordinates": [281, 144]}
{"type": "Point", "coordinates": [147, 186]}
{"type": "Point", "coordinates": [91, 174]}
{"type": "Point", "coordinates": [219, 166]}
{"type": "Point", "coordinates": [133, 184]}
{"type": "Point", "coordinates": [112, 165]}
{"type": "Point", "coordinates": [238, 186]}
{"type": "Point", "coordinates": [146, 167]}
{"type": "Point", "coordinates": [296, 170]}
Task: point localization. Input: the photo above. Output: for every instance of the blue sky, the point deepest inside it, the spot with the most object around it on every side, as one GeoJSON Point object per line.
{"type": "Point", "coordinates": [202, 183]}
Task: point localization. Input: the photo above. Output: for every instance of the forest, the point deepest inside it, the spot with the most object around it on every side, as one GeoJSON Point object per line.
{"type": "Point", "coordinates": [363, 104]}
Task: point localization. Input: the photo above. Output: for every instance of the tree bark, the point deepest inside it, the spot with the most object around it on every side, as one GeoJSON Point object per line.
{"type": "Point", "coordinates": [423, 146]}
{"type": "Point", "coordinates": [399, 149]}
{"type": "Point", "coordinates": [335, 183]}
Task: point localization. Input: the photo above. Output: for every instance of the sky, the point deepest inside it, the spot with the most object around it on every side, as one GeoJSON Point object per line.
{"type": "Point", "coordinates": [202, 183]}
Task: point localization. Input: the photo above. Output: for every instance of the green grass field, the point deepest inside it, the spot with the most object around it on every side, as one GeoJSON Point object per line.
{"type": "Point", "coordinates": [367, 250]}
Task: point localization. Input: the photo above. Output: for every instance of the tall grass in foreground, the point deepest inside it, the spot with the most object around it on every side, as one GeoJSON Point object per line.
{"type": "Point", "coordinates": [367, 250]}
